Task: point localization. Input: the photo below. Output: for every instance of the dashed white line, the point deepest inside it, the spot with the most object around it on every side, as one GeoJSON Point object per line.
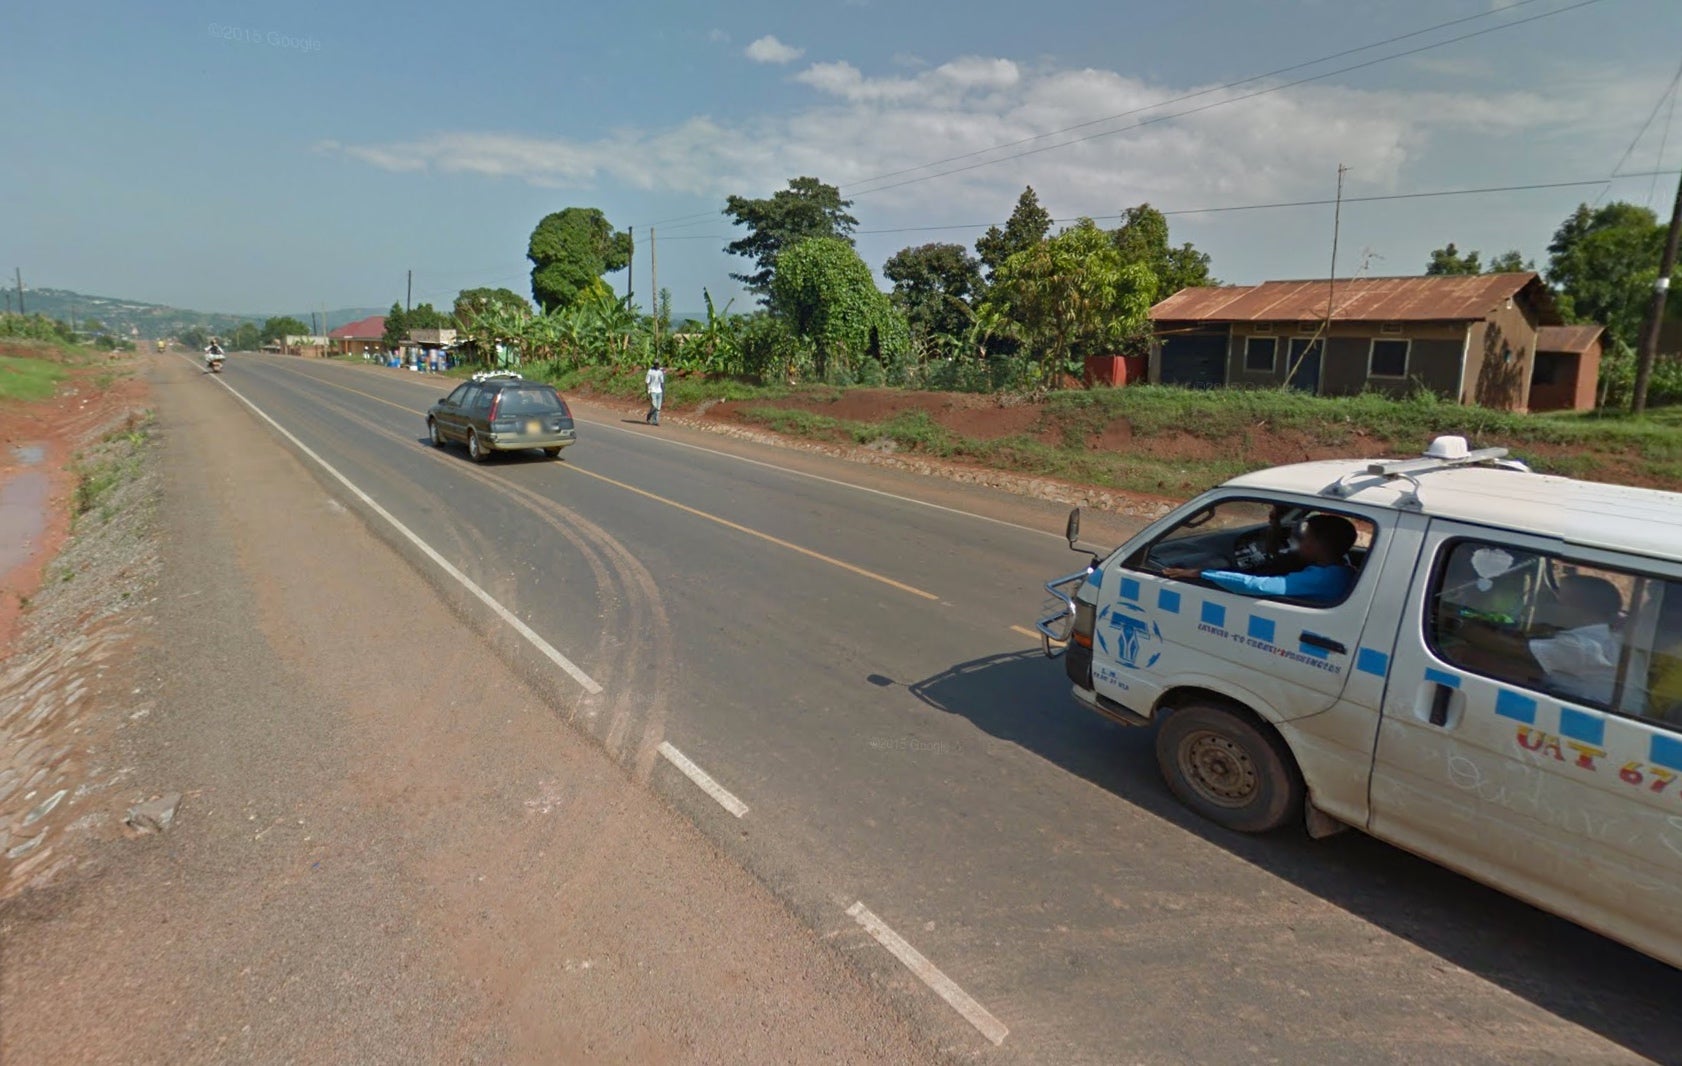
{"type": "Point", "coordinates": [943, 986]}
{"type": "Point", "coordinates": [548, 650]}
{"type": "Point", "coordinates": [702, 779]}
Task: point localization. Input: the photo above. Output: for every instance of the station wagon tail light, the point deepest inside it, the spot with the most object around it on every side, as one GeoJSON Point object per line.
{"type": "Point", "coordinates": [496, 405]}
{"type": "Point", "coordinates": [1086, 620]}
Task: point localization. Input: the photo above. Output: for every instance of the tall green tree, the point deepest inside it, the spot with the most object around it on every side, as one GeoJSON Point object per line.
{"type": "Point", "coordinates": [1510, 262]}
{"type": "Point", "coordinates": [1449, 262]}
{"type": "Point", "coordinates": [827, 294]}
{"type": "Point", "coordinates": [1603, 262]}
{"type": "Point", "coordinates": [934, 285]}
{"type": "Point", "coordinates": [246, 338]}
{"type": "Point", "coordinates": [1072, 296]}
{"type": "Point", "coordinates": [425, 316]}
{"type": "Point", "coordinates": [471, 304]}
{"type": "Point", "coordinates": [277, 329]}
{"type": "Point", "coordinates": [396, 328]}
{"type": "Point", "coordinates": [807, 209]}
{"type": "Point", "coordinates": [570, 250]}
{"type": "Point", "coordinates": [1028, 225]}
{"type": "Point", "coordinates": [1142, 238]}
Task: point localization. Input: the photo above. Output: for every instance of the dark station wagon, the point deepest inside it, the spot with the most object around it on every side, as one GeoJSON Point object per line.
{"type": "Point", "coordinates": [502, 412]}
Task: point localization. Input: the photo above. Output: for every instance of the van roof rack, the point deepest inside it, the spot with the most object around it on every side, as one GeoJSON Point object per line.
{"type": "Point", "coordinates": [1445, 453]}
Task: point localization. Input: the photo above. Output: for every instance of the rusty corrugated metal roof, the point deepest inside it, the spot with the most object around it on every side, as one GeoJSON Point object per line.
{"type": "Point", "coordinates": [1411, 299]}
{"type": "Point", "coordinates": [1577, 339]}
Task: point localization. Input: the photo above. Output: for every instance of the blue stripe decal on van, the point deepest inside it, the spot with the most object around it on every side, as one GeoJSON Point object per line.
{"type": "Point", "coordinates": [1585, 726]}
{"type": "Point", "coordinates": [1437, 677]}
{"type": "Point", "coordinates": [1130, 589]}
{"type": "Point", "coordinates": [1214, 614]}
{"type": "Point", "coordinates": [1518, 708]}
{"type": "Point", "coordinates": [1372, 661]}
{"type": "Point", "coordinates": [1168, 601]}
{"type": "Point", "coordinates": [1666, 751]}
{"type": "Point", "coordinates": [1261, 629]}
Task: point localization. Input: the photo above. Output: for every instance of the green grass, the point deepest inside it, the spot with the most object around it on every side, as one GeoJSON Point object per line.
{"type": "Point", "coordinates": [28, 379]}
{"type": "Point", "coordinates": [1238, 423]}
{"type": "Point", "coordinates": [628, 383]}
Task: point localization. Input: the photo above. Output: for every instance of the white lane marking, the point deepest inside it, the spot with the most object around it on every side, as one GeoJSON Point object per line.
{"type": "Point", "coordinates": [943, 986]}
{"type": "Point", "coordinates": [701, 778]}
{"type": "Point", "coordinates": [804, 474]}
{"type": "Point", "coordinates": [820, 477]}
{"type": "Point", "coordinates": [543, 646]}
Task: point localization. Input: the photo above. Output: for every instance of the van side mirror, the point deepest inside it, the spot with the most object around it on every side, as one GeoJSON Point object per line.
{"type": "Point", "coordinates": [1071, 532]}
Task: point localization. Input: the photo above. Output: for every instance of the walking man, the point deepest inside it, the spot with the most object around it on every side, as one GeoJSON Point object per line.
{"type": "Point", "coordinates": [656, 382]}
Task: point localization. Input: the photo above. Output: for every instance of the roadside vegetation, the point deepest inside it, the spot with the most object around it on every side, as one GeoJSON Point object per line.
{"type": "Point", "coordinates": [28, 379]}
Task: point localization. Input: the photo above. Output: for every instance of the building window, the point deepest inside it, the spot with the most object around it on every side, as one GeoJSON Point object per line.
{"type": "Point", "coordinates": [1548, 368]}
{"type": "Point", "coordinates": [1260, 354]}
{"type": "Point", "coordinates": [1389, 359]}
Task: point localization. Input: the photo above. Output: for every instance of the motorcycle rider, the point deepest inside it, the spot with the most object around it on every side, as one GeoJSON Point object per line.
{"type": "Point", "coordinates": [213, 354]}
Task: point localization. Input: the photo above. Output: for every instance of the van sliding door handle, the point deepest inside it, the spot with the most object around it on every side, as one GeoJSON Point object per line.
{"type": "Point", "coordinates": [1315, 640]}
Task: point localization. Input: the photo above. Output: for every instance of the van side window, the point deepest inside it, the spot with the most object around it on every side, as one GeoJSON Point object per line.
{"type": "Point", "coordinates": [1590, 634]}
{"type": "Point", "coordinates": [1266, 548]}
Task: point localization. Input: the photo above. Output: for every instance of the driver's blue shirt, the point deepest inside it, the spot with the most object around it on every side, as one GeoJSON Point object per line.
{"type": "Point", "coordinates": [1325, 583]}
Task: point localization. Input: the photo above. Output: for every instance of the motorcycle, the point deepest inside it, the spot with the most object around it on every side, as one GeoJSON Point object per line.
{"type": "Point", "coordinates": [213, 362]}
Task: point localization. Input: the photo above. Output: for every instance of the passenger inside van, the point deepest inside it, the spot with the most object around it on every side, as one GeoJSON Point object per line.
{"type": "Point", "coordinates": [1581, 659]}
{"type": "Point", "coordinates": [1322, 573]}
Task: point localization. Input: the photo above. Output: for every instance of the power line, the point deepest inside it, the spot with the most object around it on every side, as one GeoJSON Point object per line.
{"type": "Point", "coordinates": [1664, 139]}
{"type": "Point", "coordinates": [1379, 197]}
{"type": "Point", "coordinates": [694, 218]}
{"type": "Point", "coordinates": [1651, 115]}
{"type": "Point", "coordinates": [1205, 92]}
{"type": "Point", "coordinates": [1237, 99]}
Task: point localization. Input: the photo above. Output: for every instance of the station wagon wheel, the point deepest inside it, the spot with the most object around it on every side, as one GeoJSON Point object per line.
{"type": "Point", "coordinates": [553, 453]}
{"type": "Point", "coordinates": [437, 433]}
{"type": "Point", "coordinates": [475, 450]}
{"type": "Point", "coordinates": [1228, 768]}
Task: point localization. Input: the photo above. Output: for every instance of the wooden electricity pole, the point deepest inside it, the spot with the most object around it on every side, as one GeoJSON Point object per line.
{"type": "Point", "coordinates": [1655, 315]}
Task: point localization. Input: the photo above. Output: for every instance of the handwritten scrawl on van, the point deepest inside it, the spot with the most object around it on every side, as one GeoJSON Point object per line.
{"type": "Point", "coordinates": [1138, 639]}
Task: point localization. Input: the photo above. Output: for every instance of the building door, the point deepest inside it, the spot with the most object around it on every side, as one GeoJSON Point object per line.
{"type": "Point", "coordinates": [1305, 359]}
{"type": "Point", "coordinates": [1195, 360]}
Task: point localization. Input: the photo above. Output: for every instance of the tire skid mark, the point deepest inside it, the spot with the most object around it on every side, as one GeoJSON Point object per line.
{"type": "Point", "coordinates": [627, 662]}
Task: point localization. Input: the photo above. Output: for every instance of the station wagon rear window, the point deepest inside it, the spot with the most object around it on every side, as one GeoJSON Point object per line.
{"type": "Point", "coordinates": [540, 401]}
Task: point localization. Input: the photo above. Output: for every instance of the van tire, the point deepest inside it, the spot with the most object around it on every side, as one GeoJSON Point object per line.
{"type": "Point", "coordinates": [1229, 768]}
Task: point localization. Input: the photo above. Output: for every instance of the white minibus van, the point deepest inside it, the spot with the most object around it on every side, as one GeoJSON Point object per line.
{"type": "Point", "coordinates": [1472, 661]}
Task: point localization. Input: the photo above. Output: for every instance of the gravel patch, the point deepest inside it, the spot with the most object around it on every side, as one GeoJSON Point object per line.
{"type": "Point", "coordinates": [55, 711]}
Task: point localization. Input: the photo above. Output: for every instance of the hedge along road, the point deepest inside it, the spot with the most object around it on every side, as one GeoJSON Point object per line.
{"type": "Point", "coordinates": [840, 666]}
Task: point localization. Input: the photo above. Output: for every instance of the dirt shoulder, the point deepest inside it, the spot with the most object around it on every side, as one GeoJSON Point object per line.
{"type": "Point", "coordinates": [389, 848]}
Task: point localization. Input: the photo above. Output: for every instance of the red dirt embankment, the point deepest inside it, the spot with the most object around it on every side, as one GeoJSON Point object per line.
{"type": "Point", "coordinates": [42, 439]}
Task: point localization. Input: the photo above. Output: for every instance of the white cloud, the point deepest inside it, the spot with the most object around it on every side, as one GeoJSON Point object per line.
{"type": "Point", "coordinates": [717, 36]}
{"type": "Point", "coordinates": [770, 50]}
{"type": "Point", "coordinates": [1279, 146]}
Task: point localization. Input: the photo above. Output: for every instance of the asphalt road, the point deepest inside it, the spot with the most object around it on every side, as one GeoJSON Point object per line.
{"type": "Point", "coordinates": [843, 663]}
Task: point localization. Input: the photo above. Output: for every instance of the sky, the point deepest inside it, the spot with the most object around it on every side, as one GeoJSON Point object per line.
{"type": "Point", "coordinates": [259, 157]}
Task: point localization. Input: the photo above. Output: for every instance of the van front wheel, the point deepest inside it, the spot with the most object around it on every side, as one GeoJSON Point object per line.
{"type": "Point", "coordinates": [1228, 768]}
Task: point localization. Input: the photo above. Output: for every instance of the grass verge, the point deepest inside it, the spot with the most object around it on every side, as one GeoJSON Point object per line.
{"type": "Point", "coordinates": [28, 379]}
{"type": "Point", "coordinates": [117, 459]}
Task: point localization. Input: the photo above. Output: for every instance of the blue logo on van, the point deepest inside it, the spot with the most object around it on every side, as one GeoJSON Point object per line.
{"type": "Point", "coordinates": [1138, 639]}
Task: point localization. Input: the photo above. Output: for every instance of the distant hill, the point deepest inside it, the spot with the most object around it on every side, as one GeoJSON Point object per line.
{"type": "Point", "coordinates": [148, 321]}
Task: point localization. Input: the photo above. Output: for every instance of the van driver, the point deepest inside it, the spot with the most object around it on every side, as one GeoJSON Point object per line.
{"type": "Point", "coordinates": [1321, 572]}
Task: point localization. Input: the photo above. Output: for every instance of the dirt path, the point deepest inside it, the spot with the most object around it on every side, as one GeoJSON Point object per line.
{"type": "Point", "coordinates": [389, 849]}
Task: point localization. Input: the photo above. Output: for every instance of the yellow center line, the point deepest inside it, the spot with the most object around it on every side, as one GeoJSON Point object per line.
{"type": "Point", "coordinates": [1030, 633]}
{"type": "Point", "coordinates": [725, 522]}
{"type": "Point", "coordinates": [738, 527]}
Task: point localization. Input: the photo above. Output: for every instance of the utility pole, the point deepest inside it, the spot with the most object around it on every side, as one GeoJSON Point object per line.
{"type": "Point", "coordinates": [631, 265]}
{"type": "Point", "coordinates": [1655, 315]}
{"type": "Point", "coordinates": [409, 292]}
{"type": "Point", "coordinates": [1337, 227]}
{"type": "Point", "coordinates": [654, 287]}
{"type": "Point", "coordinates": [21, 310]}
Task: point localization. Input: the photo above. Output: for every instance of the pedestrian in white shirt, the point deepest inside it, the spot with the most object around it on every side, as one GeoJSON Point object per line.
{"type": "Point", "coordinates": [656, 382]}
